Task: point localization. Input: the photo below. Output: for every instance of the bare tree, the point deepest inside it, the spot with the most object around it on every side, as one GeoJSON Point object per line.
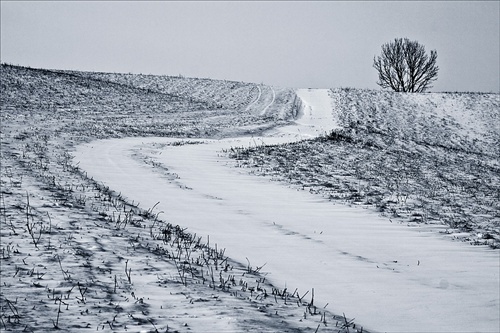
{"type": "Point", "coordinates": [404, 66]}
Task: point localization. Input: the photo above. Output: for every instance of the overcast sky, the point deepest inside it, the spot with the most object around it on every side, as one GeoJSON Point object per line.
{"type": "Point", "coordinates": [292, 44]}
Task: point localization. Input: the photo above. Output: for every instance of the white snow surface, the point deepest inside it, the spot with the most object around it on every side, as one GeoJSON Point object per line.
{"type": "Point", "coordinates": [388, 276]}
{"type": "Point", "coordinates": [315, 116]}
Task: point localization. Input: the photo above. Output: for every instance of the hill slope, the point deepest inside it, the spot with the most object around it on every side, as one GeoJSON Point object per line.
{"type": "Point", "coordinates": [216, 94]}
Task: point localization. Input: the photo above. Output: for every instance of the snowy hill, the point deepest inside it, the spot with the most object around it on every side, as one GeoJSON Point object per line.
{"type": "Point", "coordinates": [120, 209]}
{"type": "Point", "coordinates": [216, 94]}
{"type": "Point", "coordinates": [467, 122]}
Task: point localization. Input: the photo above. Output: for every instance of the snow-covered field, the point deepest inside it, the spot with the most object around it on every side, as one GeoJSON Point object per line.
{"type": "Point", "coordinates": [163, 224]}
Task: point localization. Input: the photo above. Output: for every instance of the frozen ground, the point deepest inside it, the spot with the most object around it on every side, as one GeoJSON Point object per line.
{"type": "Point", "coordinates": [196, 241]}
{"type": "Point", "coordinates": [388, 276]}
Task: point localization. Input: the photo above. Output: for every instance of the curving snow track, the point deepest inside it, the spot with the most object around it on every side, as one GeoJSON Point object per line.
{"type": "Point", "coordinates": [388, 276]}
{"type": "Point", "coordinates": [258, 103]}
{"type": "Point", "coordinates": [256, 99]}
{"type": "Point", "coordinates": [273, 93]}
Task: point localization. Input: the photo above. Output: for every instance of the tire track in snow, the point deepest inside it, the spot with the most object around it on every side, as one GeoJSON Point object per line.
{"type": "Point", "coordinates": [256, 100]}
{"type": "Point", "coordinates": [272, 101]}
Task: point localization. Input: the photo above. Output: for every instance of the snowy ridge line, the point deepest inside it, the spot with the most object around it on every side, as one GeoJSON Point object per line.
{"type": "Point", "coordinates": [215, 93]}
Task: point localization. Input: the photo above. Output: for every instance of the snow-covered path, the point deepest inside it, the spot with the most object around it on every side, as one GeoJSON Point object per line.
{"type": "Point", "coordinates": [388, 276]}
